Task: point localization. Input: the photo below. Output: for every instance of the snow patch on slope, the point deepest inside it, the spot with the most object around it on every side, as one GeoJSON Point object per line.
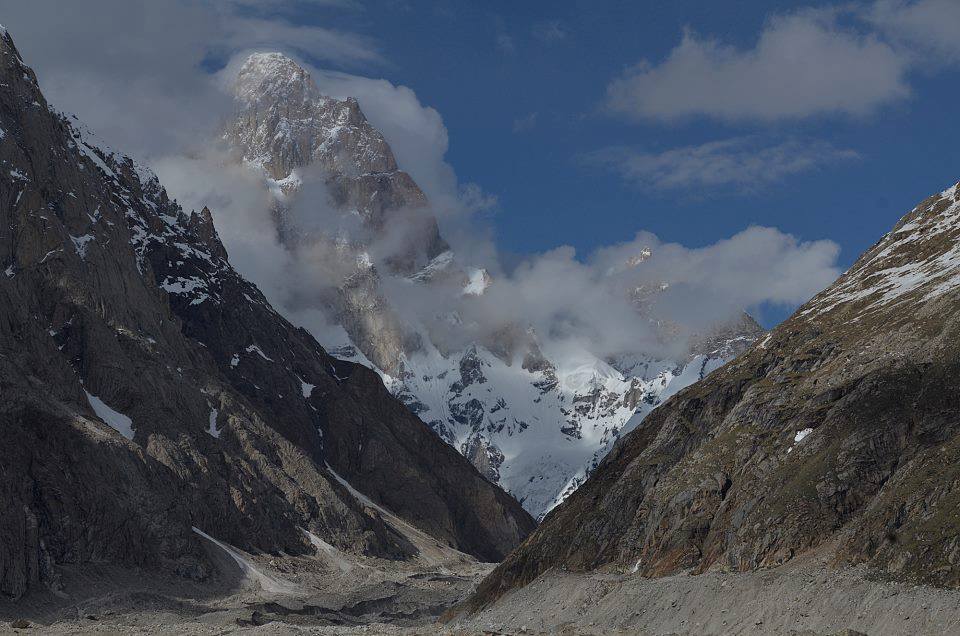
{"type": "Point", "coordinates": [212, 428]}
{"type": "Point", "coordinates": [919, 256]}
{"type": "Point", "coordinates": [80, 244]}
{"type": "Point", "coordinates": [307, 389]}
{"type": "Point", "coordinates": [116, 420]}
{"type": "Point", "coordinates": [256, 349]}
{"type": "Point", "coordinates": [267, 583]}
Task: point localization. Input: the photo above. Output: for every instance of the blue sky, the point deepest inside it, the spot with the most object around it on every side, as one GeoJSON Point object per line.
{"type": "Point", "coordinates": [588, 122]}
{"type": "Point", "coordinates": [521, 88]}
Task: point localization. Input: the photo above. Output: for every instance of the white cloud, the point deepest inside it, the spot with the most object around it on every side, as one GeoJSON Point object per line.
{"type": "Point", "coordinates": [300, 284]}
{"type": "Point", "coordinates": [756, 266]}
{"type": "Point", "coordinates": [260, 4]}
{"type": "Point", "coordinates": [585, 303]}
{"type": "Point", "coordinates": [570, 301]}
{"type": "Point", "coordinates": [803, 64]}
{"type": "Point", "coordinates": [415, 132]}
{"type": "Point", "coordinates": [240, 206]}
{"type": "Point", "coordinates": [929, 26]}
{"type": "Point", "coordinates": [319, 42]}
{"type": "Point", "coordinates": [741, 163]}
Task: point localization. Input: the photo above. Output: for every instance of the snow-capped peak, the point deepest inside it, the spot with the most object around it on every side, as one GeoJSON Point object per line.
{"type": "Point", "coordinates": [284, 122]}
{"type": "Point", "coordinates": [274, 77]}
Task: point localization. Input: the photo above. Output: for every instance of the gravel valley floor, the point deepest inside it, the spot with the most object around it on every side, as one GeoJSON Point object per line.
{"type": "Point", "coordinates": [335, 593]}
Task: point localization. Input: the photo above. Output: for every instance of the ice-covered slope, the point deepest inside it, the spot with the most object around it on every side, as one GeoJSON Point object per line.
{"type": "Point", "coordinates": [535, 422]}
{"type": "Point", "coordinates": [538, 432]}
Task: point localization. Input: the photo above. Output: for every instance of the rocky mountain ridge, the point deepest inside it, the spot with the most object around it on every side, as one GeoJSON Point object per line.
{"type": "Point", "coordinates": [147, 388]}
{"type": "Point", "coordinates": [836, 431]}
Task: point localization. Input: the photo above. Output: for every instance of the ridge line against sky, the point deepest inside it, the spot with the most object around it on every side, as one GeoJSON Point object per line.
{"type": "Point", "coordinates": [581, 126]}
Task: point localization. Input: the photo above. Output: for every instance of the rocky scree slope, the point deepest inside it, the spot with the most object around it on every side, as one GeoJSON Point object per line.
{"type": "Point", "coordinates": [842, 426]}
{"type": "Point", "coordinates": [535, 426]}
{"type": "Point", "coordinates": [146, 387]}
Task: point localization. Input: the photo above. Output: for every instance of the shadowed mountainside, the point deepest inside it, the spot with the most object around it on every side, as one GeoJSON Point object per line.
{"type": "Point", "coordinates": [130, 414]}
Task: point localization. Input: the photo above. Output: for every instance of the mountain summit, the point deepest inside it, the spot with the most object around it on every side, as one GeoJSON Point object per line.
{"type": "Point", "coordinates": [285, 127]}
{"type": "Point", "coordinates": [285, 124]}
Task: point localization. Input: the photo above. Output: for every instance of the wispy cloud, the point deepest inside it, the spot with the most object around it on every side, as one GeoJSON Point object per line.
{"type": "Point", "coordinates": [522, 124]}
{"type": "Point", "coordinates": [505, 43]}
{"type": "Point", "coordinates": [259, 6]}
{"type": "Point", "coordinates": [330, 45]}
{"type": "Point", "coordinates": [741, 164]}
{"type": "Point", "coordinates": [549, 31]}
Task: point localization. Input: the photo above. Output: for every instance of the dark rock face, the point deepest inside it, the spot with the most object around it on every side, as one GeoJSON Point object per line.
{"type": "Point", "coordinates": [389, 454]}
{"type": "Point", "coordinates": [145, 387]}
{"type": "Point", "coordinates": [340, 412]}
{"type": "Point", "coordinates": [842, 425]}
{"type": "Point", "coordinates": [485, 457]}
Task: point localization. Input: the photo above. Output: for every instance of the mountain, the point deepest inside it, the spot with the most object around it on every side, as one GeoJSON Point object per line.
{"type": "Point", "coordinates": [531, 420]}
{"type": "Point", "coordinates": [536, 427]}
{"type": "Point", "coordinates": [148, 388]}
{"type": "Point", "coordinates": [283, 125]}
{"type": "Point", "coordinates": [836, 433]}
{"type": "Point", "coordinates": [286, 129]}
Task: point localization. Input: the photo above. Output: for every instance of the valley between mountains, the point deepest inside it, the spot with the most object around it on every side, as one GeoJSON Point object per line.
{"type": "Point", "coordinates": [179, 455]}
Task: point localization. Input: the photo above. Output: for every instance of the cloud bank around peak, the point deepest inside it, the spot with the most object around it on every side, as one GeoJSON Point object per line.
{"type": "Point", "coordinates": [589, 302]}
{"type": "Point", "coordinates": [146, 92]}
{"type": "Point", "coordinates": [135, 72]}
{"type": "Point", "coordinates": [419, 140]}
{"type": "Point", "coordinates": [416, 133]}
